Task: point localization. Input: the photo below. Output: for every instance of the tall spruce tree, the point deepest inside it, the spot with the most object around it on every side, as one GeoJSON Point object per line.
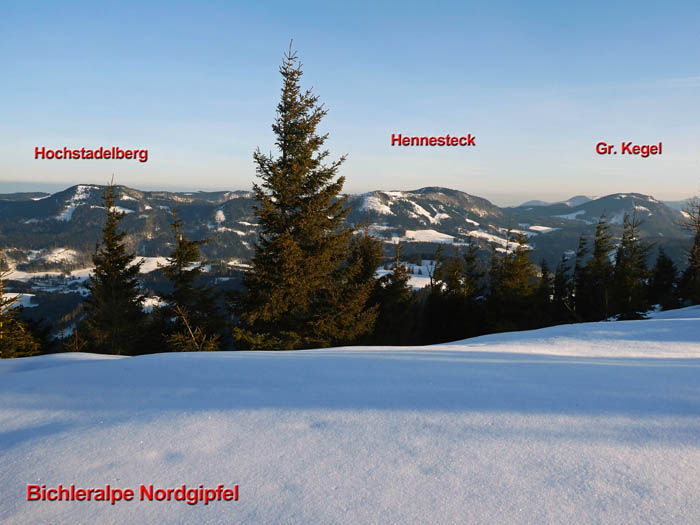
{"type": "Point", "coordinates": [511, 294]}
{"type": "Point", "coordinates": [451, 311]}
{"type": "Point", "coordinates": [198, 322]}
{"type": "Point", "coordinates": [397, 306]}
{"type": "Point", "coordinates": [662, 282]}
{"type": "Point", "coordinates": [544, 293]}
{"type": "Point", "coordinates": [114, 317]}
{"type": "Point", "coordinates": [599, 272]}
{"type": "Point", "coordinates": [16, 338]}
{"type": "Point", "coordinates": [690, 279]}
{"type": "Point", "coordinates": [562, 310]}
{"type": "Point", "coordinates": [630, 273]}
{"type": "Point", "coordinates": [302, 290]}
{"type": "Point", "coordinates": [581, 291]}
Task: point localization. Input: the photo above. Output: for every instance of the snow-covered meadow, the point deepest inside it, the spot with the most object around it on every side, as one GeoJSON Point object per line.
{"type": "Point", "coordinates": [594, 423]}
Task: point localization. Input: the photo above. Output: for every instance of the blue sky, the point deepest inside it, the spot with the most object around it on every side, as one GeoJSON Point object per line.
{"type": "Point", "coordinates": [196, 83]}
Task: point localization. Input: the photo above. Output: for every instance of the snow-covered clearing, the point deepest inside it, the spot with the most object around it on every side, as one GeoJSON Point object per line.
{"type": "Point", "coordinates": [418, 274]}
{"type": "Point", "coordinates": [150, 264]}
{"type": "Point", "coordinates": [427, 236]}
{"type": "Point", "coordinates": [23, 299]}
{"type": "Point", "coordinates": [595, 423]}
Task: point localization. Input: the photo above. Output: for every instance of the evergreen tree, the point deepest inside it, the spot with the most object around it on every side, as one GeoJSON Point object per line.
{"type": "Point", "coordinates": [302, 290]}
{"type": "Point", "coordinates": [198, 322]}
{"type": "Point", "coordinates": [16, 338]}
{"type": "Point", "coordinates": [690, 280]}
{"type": "Point", "coordinates": [453, 274]}
{"type": "Point", "coordinates": [581, 291]}
{"type": "Point", "coordinates": [435, 273]}
{"type": "Point", "coordinates": [366, 253]}
{"type": "Point", "coordinates": [599, 272]}
{"type": "Point", "coordinates": [472, 273]}
{"type": "Point", "coordinates": [397, 306]}
{"type": "Point", "coordinates": [630, 273]}
{"type": "Point", "coordinates": [543, 295]}
{"type": "Point", "coordinates": [114, 318]}
{"type": "Point", "coordinates": [662, 282]}
{"type": "Point", "coordinates": [451, 311]}
{"type": "Point", "coordinates": [511, 289]}
{"type": "Point", "coordinates": [562, 311]}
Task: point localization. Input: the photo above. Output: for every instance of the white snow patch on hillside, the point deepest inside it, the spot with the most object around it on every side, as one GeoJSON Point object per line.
{"type": "Point", "coordinates": [151, 264]}
{"type": "Point", "coordinates": [642, 208]}
{"type": "Point", "coordinates": [589, 423]}
{"type": "Point", "coordinates": [471, 221]}
{"type": "Point", "coordinates": [480, 212]}
{"type": "Point", "coordinates": [67, 213]}
{"type": "Point", "coordinates": [58, 255]}
{"type": "Point", "coordinates": [542, 229]}
{"type": "Point", "coordinates": [31, 221]}
{"type": "Point", "coordinates": [427, 236]}
{"type": "Point", "coordinates": [373, 203]}
{"type": "Point", "coordinates": [416, 280]}
{"type": "Point", "coordinates": [219, 216]}
{"type": "Point", "coordinates": [149, 303]}
{"type": "Point", "coordinates": [125, 197]}
{"type": "Point", "coordinates": [489, 237]}
{"type": "Point", "coordinates": [23, 299]}
{"type": "Point", "coordinates": [19, 275]}
{"type": "Point", "coordinates": [420, 211]}
{"type": "Point", "coordinates": [121, 209]}
{"type": "Point", "coordinates": [82, 192]}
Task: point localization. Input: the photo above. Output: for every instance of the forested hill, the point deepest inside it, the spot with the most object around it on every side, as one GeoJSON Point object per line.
{"type": "Point", "coordinates": [32, 224]}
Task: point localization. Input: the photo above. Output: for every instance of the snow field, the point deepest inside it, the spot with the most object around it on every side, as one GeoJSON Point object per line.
{"type": "Point", "coordinates": [594, 423]}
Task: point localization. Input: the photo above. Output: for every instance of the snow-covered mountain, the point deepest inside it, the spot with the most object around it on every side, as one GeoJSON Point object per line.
{"type": "Point", "coordinates": [587, 423]}
{"type": "Point", "coordinates": [72, 220]}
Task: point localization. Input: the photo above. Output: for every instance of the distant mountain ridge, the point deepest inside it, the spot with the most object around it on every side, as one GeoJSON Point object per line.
{"type": "Point", "coordinates": [72, 219]}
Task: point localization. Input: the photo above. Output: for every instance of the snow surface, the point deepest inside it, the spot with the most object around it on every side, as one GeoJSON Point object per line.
{"type": "Point", "coordinates": [82, 192]}
{"type": "Point", "coordinates": [590, 423]}
{"type": "Point", "coordinates": [542, 229]}
{"type": "Point", "coordinates": [489, 237]}
{"type": "Point", "coordinates": [151, 264]}
{"type": "Point", "coordinates": [58, 255]}
{"type": "Point", "coordinates": [23, 299]}
{"type": "Point", "coordinates": [149, 303]}
{"type": "Point", "coordinates": [416, 280]}
{"type": "Point", "coordinates": [121, 209]}
{"type": "Point", "coordinates": [373, 203]}
{"type": "Point", "coordinates": [427, 236]}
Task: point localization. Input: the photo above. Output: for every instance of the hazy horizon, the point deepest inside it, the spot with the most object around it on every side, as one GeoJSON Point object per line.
{"type": "Point", "coordinates": [51, 188]}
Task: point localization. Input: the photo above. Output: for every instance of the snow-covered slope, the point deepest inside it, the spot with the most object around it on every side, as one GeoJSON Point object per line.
{"type": "Point", "coordinates": [596, 423]}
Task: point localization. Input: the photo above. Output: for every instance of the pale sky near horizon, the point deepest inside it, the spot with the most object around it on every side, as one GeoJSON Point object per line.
{"type": "Point", "coordinates": [196, 84]}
